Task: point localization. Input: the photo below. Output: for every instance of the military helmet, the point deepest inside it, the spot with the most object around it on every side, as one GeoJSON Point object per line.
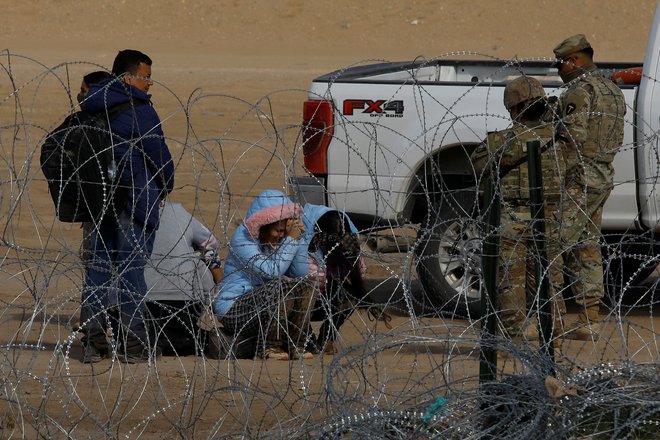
{"type": "Point", "coordinates": [522, 89]}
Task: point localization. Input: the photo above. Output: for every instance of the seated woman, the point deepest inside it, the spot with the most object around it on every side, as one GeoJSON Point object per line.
{"type": "Point", "coordinates": [265, 291]}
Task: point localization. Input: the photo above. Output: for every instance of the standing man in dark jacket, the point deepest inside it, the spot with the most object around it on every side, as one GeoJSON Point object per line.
{"type": "Point", "coordinates": [123, 241]}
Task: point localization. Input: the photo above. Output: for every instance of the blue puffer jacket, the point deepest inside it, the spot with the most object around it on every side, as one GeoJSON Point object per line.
{"type": "Point", "coordinates": [144, 162]}
{"type": "Point", "coordinates": [250, 264]}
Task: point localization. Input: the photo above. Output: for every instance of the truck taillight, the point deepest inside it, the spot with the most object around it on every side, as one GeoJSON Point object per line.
{"type": "Point", "coordinates": [317, 131]}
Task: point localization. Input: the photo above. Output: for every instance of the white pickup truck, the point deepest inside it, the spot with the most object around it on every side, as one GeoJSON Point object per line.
{"type": "Point", "coordinates": [390, 144]}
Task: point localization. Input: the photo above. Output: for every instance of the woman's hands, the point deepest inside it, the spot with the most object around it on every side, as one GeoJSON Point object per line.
{"type": "Point", "coordinates": [295, 228]}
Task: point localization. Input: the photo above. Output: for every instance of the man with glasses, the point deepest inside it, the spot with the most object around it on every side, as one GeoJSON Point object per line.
{"type": "Point", "coordinates": [122, 242]}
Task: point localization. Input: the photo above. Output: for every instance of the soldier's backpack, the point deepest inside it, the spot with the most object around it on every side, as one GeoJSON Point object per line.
{"type": "Point", "coordinates": [78, 162]}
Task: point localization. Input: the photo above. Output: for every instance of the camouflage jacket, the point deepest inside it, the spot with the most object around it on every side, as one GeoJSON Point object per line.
{"type": "Point", "coordinates": [504, 148]}
{"type": "Point", "coordinates": [591, 110]}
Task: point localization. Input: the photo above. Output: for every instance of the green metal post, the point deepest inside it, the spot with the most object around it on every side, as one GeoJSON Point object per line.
{"type": "Point", "coordinates": [538, 231]}
{"type": "Point", "coordinates": [489, 264]}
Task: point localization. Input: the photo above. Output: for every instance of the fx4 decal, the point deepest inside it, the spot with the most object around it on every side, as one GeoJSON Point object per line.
{"type": "Point", "coordinates": [378, 107]}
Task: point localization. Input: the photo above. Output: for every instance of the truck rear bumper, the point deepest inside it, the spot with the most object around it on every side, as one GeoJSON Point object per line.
{"type": "Point", "coordinates": [307, 189]}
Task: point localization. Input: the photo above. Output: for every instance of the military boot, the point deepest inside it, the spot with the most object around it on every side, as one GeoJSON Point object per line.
{"type": "Point", "coordinates": [520, 328]}
{"type": "Point", "coordinates": [587, 326]}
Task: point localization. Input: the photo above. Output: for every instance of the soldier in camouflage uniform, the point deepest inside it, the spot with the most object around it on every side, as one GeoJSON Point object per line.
{"type": "Point", "coordinates": [525, 100]}
{"type": "Point", "coordinates": [591, 109]}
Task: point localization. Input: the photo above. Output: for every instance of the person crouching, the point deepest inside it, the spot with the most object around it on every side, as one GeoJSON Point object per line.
{"type": "Point", "coordinates": [265, 291]}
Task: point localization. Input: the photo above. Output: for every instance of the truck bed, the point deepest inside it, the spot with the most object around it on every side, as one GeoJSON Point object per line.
{"type": "Point", "coordinates": [455, 72]}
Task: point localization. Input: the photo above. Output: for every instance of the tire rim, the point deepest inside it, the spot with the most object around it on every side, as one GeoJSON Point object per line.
{"type": "Point", "coordinates": [459, 258]}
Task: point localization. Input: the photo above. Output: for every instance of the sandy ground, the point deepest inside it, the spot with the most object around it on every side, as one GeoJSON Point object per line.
{"type": "Point", "coordinates": [231, 79]}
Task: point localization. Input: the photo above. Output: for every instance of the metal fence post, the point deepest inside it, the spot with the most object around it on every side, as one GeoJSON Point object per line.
{"type": "Point", "coordinates": [489, 264]}
{"type": "Point", "coordinates": [538, 234]}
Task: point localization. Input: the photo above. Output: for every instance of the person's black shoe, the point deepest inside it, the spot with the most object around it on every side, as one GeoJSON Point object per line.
{"type": "Point", "coordinates": [136, 352]}
{"type": "Point", "coordinates": [311, 344]}
{"type": "Point", "coordinates": [312, 348]}
{"type": "Point", "coordinates": [95, 347]}
{"type": "Point", "coordinates": [91, 354]}
{"type": "Point", "coordinates": [143, 356]}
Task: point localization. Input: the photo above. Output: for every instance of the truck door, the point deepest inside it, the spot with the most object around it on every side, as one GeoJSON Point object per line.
{"type": "Point", "coordinates": [647, 131]}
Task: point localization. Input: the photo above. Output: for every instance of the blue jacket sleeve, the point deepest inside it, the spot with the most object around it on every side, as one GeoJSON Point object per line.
{"type": "Point", "coordinates": [300, 264]}
{"type": "Point", "coordinates": [159, 158]}
{"type": "Point", "coordinates": [266, 266]}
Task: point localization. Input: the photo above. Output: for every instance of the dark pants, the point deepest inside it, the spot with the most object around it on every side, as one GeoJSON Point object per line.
{"type": "Point", "coordinates": [119, 252]}
{"type": "Point", "coordinates": [171, 325]}
{"type": "Point", "coordinates": [333, 308]}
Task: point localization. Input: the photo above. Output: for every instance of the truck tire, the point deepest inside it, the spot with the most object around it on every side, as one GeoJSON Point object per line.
{"type": "Point", "coordinates": [628, 260]}
{"type": "Point", "coordinates": [448, 253]}
{"type": "Point", "coordinates": [449, 257]}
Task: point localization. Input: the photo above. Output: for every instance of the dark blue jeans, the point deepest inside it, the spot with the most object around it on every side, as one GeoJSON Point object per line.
{"type": "Point", "coordinates": [115, 275]}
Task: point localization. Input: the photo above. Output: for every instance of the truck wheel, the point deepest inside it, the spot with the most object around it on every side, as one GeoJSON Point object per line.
{"type": "Point", "coordinates": [627, 262]}
{"type": "Point", "coordinates": [449, 254]}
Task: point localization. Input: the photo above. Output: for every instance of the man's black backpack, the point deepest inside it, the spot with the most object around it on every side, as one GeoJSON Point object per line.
{"type": "Point", "coordinates": [78, 162]}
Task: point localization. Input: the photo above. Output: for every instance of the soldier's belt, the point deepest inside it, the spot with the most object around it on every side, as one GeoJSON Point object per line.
{"type": "Point", "coordinates": [525, 203]}
{"type": "Point", "coordinates": [517, 202]}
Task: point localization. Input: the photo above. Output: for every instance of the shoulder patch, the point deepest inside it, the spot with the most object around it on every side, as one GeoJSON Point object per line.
{"type": "Point", "coordinates": [494, 137]}
{"type": "Point", "coordinates": [574, 99]}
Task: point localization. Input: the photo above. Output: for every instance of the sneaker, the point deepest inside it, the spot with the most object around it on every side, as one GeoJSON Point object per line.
{"type": "Point", "coordinates": [275, 353]}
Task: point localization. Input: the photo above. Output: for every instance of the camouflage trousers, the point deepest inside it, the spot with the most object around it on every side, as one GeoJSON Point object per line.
{"type": "Point", "coordinates": [517, 268]}
{"type": "Point", "coordinates": [581, 215]}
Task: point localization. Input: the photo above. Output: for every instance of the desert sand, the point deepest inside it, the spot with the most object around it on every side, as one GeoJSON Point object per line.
{"type": "Point", "coordinates": [231, 77]}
